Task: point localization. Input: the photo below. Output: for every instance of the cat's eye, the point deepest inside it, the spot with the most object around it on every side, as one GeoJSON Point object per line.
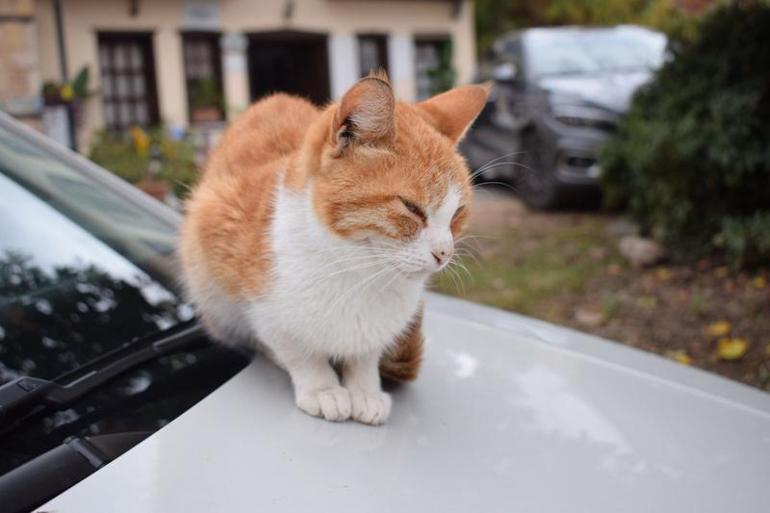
{"type": "Point", "coordinates": [414, 209]}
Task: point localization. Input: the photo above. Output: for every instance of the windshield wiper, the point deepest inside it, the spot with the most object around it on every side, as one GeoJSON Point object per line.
{"type": "Point", "coordinates": [20, 396]}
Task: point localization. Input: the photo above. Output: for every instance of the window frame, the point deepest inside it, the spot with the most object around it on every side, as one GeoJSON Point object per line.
{"type": "Point", "coordinates": [146, 42]}
{"type": "Point", "coordinates": [213, 39]}
{"type": "Point", "coordinates": [383, 54]}
{"type": "Point", "coordinates": [436, 39]}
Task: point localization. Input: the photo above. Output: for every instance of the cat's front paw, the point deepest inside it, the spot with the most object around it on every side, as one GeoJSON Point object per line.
{"type": "Point", "coordinates": [329, 403]}
{"type": "Point", "coordinates": [370, 407]}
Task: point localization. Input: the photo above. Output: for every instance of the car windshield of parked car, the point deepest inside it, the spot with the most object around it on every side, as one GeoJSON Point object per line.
{"type": "Point", "coordinates": [83, 270]}
{"type": "Point", "coordinates": [581, 52]}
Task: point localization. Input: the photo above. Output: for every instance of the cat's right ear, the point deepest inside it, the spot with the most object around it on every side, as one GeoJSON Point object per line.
{"type": "Point", "coordinates": [365, 114]}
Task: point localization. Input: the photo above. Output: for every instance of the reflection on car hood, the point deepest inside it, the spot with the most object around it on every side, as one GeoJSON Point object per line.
{"type": "Point", "coordinates": [611, 91]}
{"type": "Point", "coordinates": [509, 414]}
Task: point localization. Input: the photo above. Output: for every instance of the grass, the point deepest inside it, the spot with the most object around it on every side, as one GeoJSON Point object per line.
{"type": "Point", "coordinates": [517, 273]}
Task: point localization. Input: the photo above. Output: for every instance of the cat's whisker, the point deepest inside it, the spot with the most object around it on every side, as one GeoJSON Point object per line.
{"type": "Point", "coordinates": [504, 184]}
{"type": "Point", "coordinates": [464, 254]}
{"type": "Point", "coordinates": [493, 166]}
{"type": "Point", "coordinates": [355, 260]}
{"type": "Point", "coordinates": [361, 284]}
{"type": "Point", "coordinates": [454, 267]}
{"type": "Point", "coordinates": [459, 264]}
{"type": "Point", "coordinates": [453, 276]}
{"type": "Point", "coordinates": [494, 160]}
{"type": "Point", "coordinates": [397, 274]}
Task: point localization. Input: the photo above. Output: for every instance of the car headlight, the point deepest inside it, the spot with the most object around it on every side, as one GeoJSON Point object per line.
{"type": "Point", "coordinates": [585, 118]}
{"type": "Point", "coordinates": [571, 112]}
{"type": "Point", "coordinates": [574, 120]}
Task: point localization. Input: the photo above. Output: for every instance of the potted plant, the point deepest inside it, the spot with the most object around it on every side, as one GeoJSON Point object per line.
{"type": "Point", "coordinates": [70, 94]}
{"type": "Point", "coordinates": [205, 101]}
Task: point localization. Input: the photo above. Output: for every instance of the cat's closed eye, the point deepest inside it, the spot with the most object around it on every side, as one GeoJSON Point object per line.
{"type": "Point", "coordinates": [414, 209]}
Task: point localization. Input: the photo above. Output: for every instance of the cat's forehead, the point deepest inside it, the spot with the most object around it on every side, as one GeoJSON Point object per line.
{"type": "Point", "coordinates": [427, 159]}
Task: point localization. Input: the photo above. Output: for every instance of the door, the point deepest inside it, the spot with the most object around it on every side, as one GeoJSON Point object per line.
{"type": "Point", "coordinates": [291, 62]}
{"type": "Point", "coordinates": [128, 88]}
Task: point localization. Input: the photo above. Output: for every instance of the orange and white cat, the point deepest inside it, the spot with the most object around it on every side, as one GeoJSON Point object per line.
{"type": "Point", "coordinates": [314, 232]}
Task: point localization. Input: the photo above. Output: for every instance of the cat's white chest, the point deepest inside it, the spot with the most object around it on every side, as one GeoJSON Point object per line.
{"type": "Point", "coordinates": [327, 294]}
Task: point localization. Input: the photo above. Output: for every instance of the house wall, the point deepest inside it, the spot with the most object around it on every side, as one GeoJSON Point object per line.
{"type": "Point", "coordinates": [19, 76]}
{"type": "Point", "coordinates": [341, 19]}
{"type": "Point", "coordinates": [84, 18]}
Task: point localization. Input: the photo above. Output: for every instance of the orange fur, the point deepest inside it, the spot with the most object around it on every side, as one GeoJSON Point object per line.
{"type": "Point", "coordinates": [361, 156]}
{"type": "Point", "coordinates": [402, 362]}
{"type": "Point", "coordinates": [230, 209]}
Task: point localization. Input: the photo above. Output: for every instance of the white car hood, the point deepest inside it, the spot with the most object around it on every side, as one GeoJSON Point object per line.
{"type": "Point", "coordinates": [510, 414]}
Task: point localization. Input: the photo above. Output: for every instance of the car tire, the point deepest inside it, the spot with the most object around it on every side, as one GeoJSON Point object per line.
{"type": "Point", "coordinates": [536, 177]}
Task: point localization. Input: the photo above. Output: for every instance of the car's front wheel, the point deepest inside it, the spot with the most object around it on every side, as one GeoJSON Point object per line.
{"type": "Point", "coordinates": [536, 177]}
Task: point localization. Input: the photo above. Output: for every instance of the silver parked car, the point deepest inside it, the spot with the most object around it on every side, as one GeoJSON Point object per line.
{"type": "Point", "coordinates": [127, 408]}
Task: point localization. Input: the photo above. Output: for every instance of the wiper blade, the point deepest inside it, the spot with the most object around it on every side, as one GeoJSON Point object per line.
{"type": "Point", "coordinates": [17, 397]}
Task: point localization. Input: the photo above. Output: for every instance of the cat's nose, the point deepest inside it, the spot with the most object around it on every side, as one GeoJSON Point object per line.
{"type": "Point", "coordinates": [442, 253]}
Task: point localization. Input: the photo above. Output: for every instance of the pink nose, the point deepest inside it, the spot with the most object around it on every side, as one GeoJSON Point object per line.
{"type": "Point", "coordinates": [441, 255]}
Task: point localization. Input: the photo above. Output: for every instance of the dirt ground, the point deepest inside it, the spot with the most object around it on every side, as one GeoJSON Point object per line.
{"type": "Point", "coordinates": [565, 268]}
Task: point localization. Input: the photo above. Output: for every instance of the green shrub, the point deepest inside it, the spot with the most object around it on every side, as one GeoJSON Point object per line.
{"type": "Point", "coordinates": [118, 153]}
{"type": "Point", "coordinates": [692, 159]}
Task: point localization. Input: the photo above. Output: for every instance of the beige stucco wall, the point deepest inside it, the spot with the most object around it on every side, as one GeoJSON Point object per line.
{"type": "Point", "coordinates": [19, 68]}
{"type": "Point", "coordinates": [346, 18]}
{"type": "Point", "coordinates": [341, 19]}
{"type": "Point", "coordinates": [84, 18]}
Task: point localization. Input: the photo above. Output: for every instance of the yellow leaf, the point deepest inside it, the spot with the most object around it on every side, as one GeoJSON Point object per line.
{"type": "Point", "coordinates": [731, 348]}
{"type": "Point", "coordinates": [663, 274]}
{"type": "Point", "coordinates": [759, 282]}
{"type": "Point", "coordinates": [647, 302]}
{"type": "Point", "coordinates": [722, 272]}
{"type": "Point", "coordinates": [67, 93]}
{"type": "Point", "coordinates": [680, 356]}
{"type": "Point", "coordinates": [719, 328]}
{"type": "Point", "coordinates": [767, 349]}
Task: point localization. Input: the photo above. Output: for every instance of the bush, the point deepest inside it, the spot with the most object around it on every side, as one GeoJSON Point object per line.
{"type": "Point", "coordinates": [129, 158]}
{"type": "Point", "coordinates": [692, 159]}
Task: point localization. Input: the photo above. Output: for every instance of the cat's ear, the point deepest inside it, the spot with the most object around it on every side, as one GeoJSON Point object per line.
{"type": "Point", "coordinates": [453, 112]}
{"type": "Point", "coordinates": [365, 113]}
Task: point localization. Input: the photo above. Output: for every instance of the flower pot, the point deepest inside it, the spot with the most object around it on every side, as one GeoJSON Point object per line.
{"type": "Point", "coordinates": [158, 189]}
{"type": "Point", "coordinates": [206, 114]}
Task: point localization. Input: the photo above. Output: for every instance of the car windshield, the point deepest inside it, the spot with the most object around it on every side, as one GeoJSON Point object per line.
{"type": "Point", "coordinates": [83, 270]}
{"type": "Point", "coordinates": [577, 52]}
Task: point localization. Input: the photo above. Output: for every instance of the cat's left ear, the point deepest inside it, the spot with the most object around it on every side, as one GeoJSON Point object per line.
{"type": "Point", "coordinates": [365, 113]}
{"type": "Point", "coordinates": [453, 112]}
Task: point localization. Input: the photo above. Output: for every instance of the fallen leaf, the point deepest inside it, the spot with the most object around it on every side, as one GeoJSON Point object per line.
{"type": "Point", "coordinates": [722, 272]}
{"type": "Point", "coordinates": [731, 348]}
{"type": "Point", "coordinates": [767, 349]}
{"type": "Point", "coordinates": [614, 269]}
{"type": "Point", "coordinates": [662, 274]}
{"type": "Point", "coordinates": [719, 328]}
{"type": "Point", "coordinates": [680, 356]}
{"type": "Point", "coordinates": [647, 302]}
{"type": "Point", "coordinates": [759, 282]}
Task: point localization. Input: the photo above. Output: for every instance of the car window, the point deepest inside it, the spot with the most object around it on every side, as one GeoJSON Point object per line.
{"type": "Point", "coordinates": [82, 270]}
{"type": "Point", "coordinates": [86, 268]}
{"type": "Point", "coordinates": [568, 52]}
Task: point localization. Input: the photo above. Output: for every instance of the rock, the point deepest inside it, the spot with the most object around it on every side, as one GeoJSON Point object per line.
{"type": "Point", "coordinates": [588, 317]}
{"type": "Point", "coordinates": [641, 252]}
{"type": "Point", "coordinates": [621, 228]}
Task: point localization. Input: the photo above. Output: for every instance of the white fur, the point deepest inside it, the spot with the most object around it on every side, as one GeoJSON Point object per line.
{"type": "Point", "coordinates": [332, 299]}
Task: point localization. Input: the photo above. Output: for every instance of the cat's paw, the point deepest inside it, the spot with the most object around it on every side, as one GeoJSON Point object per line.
{"type": "Point", "coordinates": [370, 407]}
{"type": "Point", "coordinates": [331, 403]}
